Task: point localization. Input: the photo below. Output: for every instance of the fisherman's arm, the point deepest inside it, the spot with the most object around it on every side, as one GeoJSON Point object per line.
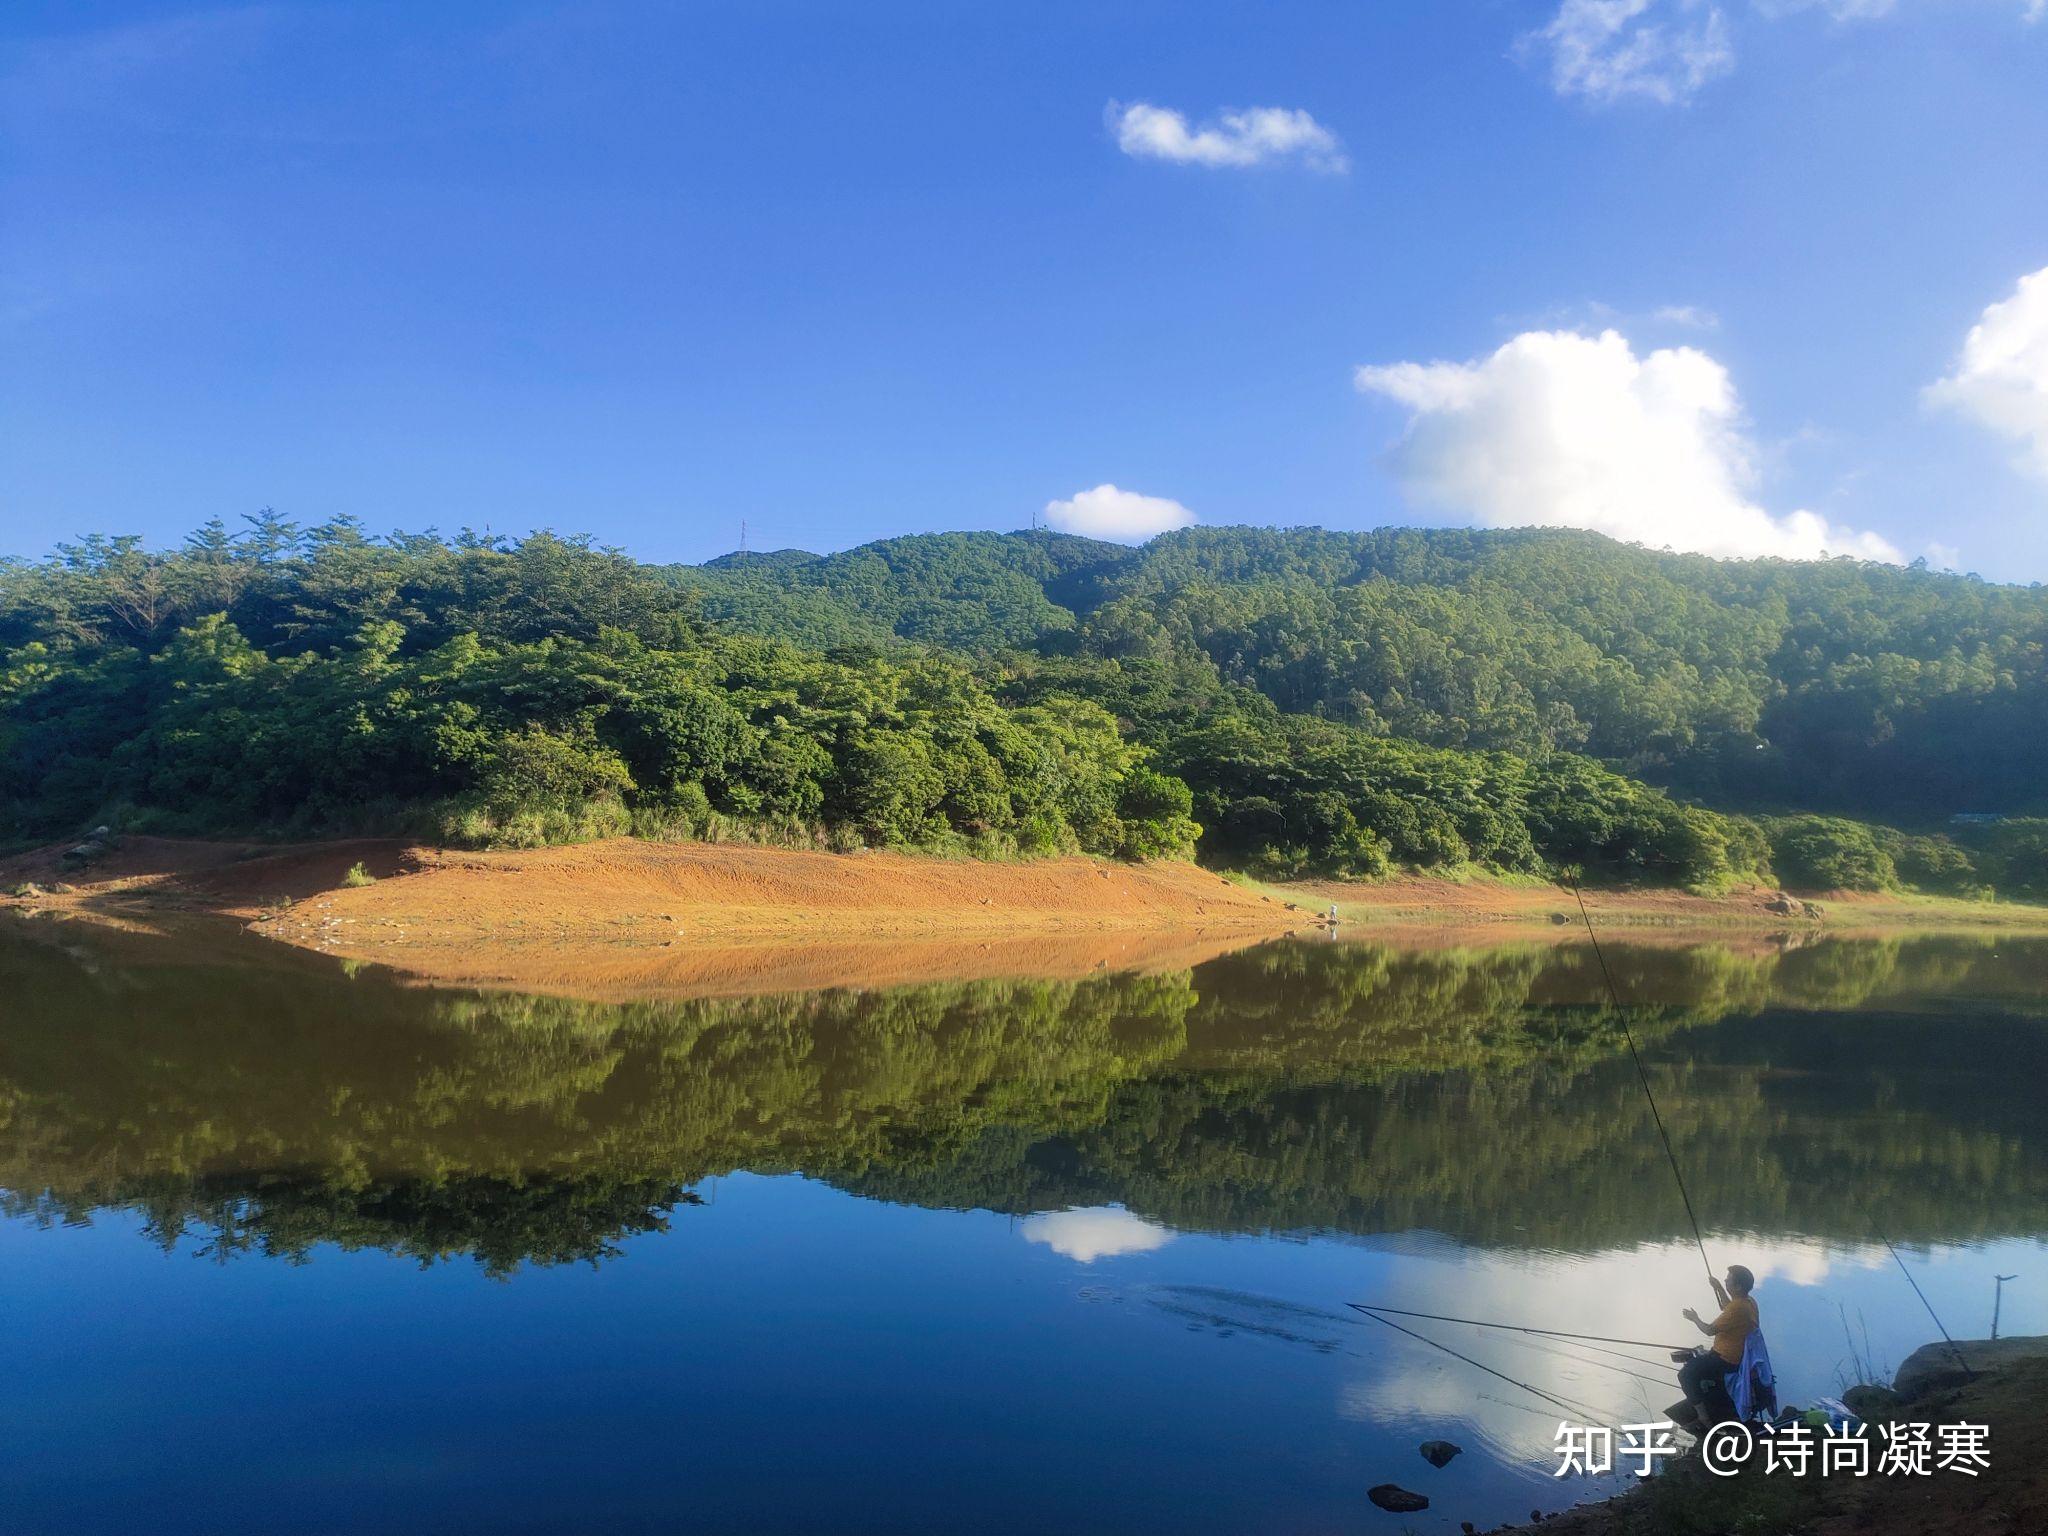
{"type": "Point", "coordinates": [1726, 1320]}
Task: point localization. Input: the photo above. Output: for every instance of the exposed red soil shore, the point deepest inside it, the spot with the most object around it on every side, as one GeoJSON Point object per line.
{"type": "Point", "coordinates": [628, 918]}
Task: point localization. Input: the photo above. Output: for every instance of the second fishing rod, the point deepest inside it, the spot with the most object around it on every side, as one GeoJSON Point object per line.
{"type": "Point", "coordinates": [1643, 1075]}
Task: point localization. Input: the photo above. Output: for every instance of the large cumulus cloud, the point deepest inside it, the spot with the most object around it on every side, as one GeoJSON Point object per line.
{"type": "Point", "coordinates": [1562, 429]}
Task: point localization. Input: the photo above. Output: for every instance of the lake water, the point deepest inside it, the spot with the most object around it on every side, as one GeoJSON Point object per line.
{"type": "Point", "coordinates": [292, 1246]}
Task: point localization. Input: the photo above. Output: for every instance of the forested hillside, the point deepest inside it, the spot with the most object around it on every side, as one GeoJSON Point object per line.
{"type": "Point", "coordinates": [518, 694]}
{"type": "Point", "coordinates": [1311, 701]}
{"type": "Point", "coordinates": [1828, 685]}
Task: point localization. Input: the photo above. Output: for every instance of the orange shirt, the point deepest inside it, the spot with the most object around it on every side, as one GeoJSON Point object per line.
{"type": "Point", "coordinates": [1738, 1320]}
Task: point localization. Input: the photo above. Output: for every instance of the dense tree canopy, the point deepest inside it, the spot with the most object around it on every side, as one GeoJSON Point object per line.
{"type": "Point", "coordinates": [1310, 700]}
{"type": "Point", "coordinates": [1831, 685]}
{"type": "Point", "coordinates": [522, 693]}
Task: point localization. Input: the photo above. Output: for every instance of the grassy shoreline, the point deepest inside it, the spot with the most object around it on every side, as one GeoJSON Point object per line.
{"type": "Point", "coordinates": [1481, 900]}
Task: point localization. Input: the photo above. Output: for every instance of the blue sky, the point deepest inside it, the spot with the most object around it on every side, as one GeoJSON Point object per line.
{"type": "Point", "coordinates": [845, 271]}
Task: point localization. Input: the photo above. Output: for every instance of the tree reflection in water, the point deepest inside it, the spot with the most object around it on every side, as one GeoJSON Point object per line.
{"type": "Point", "coordinates": [267, 1107]}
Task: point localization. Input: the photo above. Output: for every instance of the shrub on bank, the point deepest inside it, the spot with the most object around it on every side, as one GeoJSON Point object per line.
{"type": "Point", "coordinates": [1827, 853]}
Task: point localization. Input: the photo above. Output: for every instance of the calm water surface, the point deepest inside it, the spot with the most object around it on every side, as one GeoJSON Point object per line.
{"type": "Point", "coordinates": [286, 1247]}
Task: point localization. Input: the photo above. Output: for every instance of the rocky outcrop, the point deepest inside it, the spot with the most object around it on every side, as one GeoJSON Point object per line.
{"type": "Point", "coordinates": [1935, 1367]}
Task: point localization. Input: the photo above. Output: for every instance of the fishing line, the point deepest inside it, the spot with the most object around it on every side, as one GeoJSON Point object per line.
{"type": "Point", "coordinates": [1582, 1354]}
{"type": "Point", "coordinates": [1555, 1333]}
{"type": "Point", "coordinates": [1627, 1034]}
{"type": "Point", "coordinates": [1663, 1354]}
{"type": "Point", "coordinates": [1592, 1415]}
{"type": "Point", "coordinates": [1551, 1338]}
{"type": "Point", "coordinates": [1954, 1348]}
{"type": "Point", "coordinates": [1568, 1354]}
{"type": "Point", "coordinates": [1488, 1397]}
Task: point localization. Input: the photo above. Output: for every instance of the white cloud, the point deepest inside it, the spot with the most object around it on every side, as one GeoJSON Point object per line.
{"type": "Point", "coordinates": [2001, 379]}
{"type": "Point", "coordinates": [1627, 1293]}
{"type": "Point", "coordinates": [1691, 316]}
{"type": "Point", "coordinates": [1658, 50]}
{"type": "Point", "coordinates": [1253, 136]}
{"type": "Point", "coordinates": [1109, 513]}
{"type": "Point", "coordinates": [1560, 429]}
{"type": "Point", "coordinates": [1666, 50]}
{"type": "Point", "coordinates": [1099, 1232]}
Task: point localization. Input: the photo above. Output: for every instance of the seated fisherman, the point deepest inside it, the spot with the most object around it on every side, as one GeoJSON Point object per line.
{"type": "Point", "coordinates": [1708, 1371]}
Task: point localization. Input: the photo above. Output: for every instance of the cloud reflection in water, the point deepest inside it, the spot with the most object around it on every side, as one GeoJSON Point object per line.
{"type": "Point", "coordinates": [1097, 1232]}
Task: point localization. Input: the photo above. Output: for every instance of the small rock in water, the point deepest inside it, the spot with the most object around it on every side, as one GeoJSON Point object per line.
{"type": "Point", "coordinates": [1439, 1452]}
{"type": "Point", "coordinates": [1467, 1527]}
{"type": "Point", "coordinates": [1396, 1500]}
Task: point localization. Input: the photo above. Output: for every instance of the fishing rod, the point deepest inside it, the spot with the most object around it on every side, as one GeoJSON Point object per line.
{"type": "Point", "coordinates": [1685, 1195]}
{"type": "Point", "coordinates": [1548, 1397]}
{"type": "Point", "coordinates": [1954, 1348]}
{"type": "Point", "coordinates": [1614, 993]}
{"type": "Point", "coordinates": [1555, 1333]}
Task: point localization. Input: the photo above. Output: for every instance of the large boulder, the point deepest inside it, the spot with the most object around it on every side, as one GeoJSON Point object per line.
{"type": "Point", "coordinates": [1933, 1367]}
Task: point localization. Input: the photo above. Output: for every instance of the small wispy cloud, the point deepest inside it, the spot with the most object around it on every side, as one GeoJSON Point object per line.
{"type": "Point", "coordinates": [1649, 50]}
{"type": "Point", "coordinates": [1691, 316]}
{"type": "Point", "coordinates": [1665, 51]}
{"type": "Point", "coordinates": [1238, 138]}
